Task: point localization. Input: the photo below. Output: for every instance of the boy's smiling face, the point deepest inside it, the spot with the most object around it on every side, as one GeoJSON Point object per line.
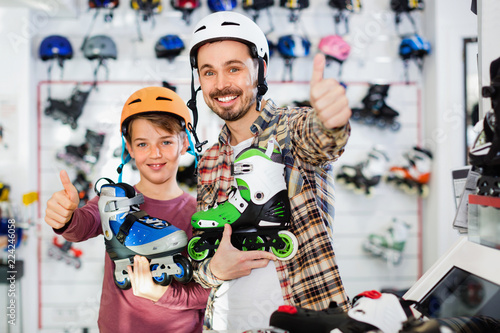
{"type": "Point", "coordinates": [156, 152]}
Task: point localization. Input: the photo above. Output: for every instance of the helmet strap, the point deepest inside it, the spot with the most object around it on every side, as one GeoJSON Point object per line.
{"type": "Point", "coordinates": [261, 83]}
{"type": "Point", "coordinates": [191, 150]}
{"type": "Point", "coordinates": [89, 29]}
{"type": "Point", "coordinates": [125, 160]}
{"type": "Point", "coordinates": [191, 104]}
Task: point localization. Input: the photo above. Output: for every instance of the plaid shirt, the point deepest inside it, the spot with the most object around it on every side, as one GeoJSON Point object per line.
{"type": "Point", "coordinates": [310, 279]}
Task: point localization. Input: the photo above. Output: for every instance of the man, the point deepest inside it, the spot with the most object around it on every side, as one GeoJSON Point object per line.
{"type": "Point", "coordinates": [230, 54]}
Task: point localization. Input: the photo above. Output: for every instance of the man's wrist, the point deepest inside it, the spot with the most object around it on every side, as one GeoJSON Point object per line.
{"type": "Point", "coordinates": [211, 277]}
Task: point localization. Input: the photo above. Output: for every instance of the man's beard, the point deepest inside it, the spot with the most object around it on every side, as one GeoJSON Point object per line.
{"type": "Point", "coordinates": [228, 114]}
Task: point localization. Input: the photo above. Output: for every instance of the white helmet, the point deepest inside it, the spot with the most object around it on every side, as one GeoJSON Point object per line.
{"type": "Point", "coordinates": [229, 25]}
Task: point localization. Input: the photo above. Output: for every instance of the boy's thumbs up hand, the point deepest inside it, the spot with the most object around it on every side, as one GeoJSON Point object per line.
{"type": "Point", "coordinates": [62, 204]}
{"type": "Point", "coordinates": [328, 97]}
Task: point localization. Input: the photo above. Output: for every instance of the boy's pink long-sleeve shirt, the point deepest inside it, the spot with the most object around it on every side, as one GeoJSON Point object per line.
{"type": "Point", "coordinates": [180, 309]}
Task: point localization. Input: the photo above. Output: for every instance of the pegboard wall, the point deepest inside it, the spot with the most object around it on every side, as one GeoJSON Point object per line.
{"type": "Point", "coordinates": [68, 296]}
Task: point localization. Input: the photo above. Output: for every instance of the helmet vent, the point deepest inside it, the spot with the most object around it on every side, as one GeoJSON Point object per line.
{"type": "Point", "coordinates": [229, 23]}
{"type": "Point", "coordinates": [201, 28]}
{"type": "Point", "coordinates": [159, 98]}
{"type": "Point", "coordinates": [135, 101]}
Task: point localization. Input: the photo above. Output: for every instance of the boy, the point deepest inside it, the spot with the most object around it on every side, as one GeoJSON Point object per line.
{"type": "Point", "coordinates": [153, 123]}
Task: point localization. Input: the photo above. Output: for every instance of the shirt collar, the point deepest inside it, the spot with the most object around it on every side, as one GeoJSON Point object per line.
{"type": "Point", "coordinates": [258, 125]}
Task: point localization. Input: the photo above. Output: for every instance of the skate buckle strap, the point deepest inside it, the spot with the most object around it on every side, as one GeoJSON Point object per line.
{"type": "Point", "coordinates": [127, 224]}
{"type": "Point", "coordinates": [290, 309]}
{"type": "Point", "coordinates": [373, 294]}
{"type": "Point", "coordinates": [115, 205]}
{"type": "Point", "coordinates": [241, 168]}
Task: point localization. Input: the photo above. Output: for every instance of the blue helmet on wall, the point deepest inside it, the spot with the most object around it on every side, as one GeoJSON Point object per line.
{"type": "Point", "coordinates": [293, 46]}
{"type": "Point", "coordinates": [414, 47]}
{"type": "Point", "coordinates": [169, 46]}
{"type": "Point", "coordinates": [55, 46]}
{"type": "Point", "coordinates": [221, 5]}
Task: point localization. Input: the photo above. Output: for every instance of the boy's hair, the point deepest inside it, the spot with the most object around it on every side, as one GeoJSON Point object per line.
{"type": "Point", "coordinates": [167, 122]}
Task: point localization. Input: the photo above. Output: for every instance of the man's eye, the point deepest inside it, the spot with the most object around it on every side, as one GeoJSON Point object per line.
{"type": "Point", "coordinates": [234, 70]}
{"type": "Point", "coordinates": [208, 73]}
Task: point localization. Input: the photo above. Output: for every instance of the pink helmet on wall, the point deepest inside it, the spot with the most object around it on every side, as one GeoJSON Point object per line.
{"type": "Point", "coordinates": [335, 48]}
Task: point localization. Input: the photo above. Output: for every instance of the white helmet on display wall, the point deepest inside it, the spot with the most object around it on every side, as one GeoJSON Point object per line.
{"type": "Point", "coordinates": [229, 25]}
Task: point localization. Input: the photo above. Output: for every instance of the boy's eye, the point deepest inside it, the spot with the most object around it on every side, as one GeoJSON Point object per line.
{"type": "Point", "coordinates": [141, 144]}
{"type": "Point", "coordinates": [167, 142]}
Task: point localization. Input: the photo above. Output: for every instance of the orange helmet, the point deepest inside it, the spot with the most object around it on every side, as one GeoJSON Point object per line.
{"type": "Point", "coordinates": [154, 99]}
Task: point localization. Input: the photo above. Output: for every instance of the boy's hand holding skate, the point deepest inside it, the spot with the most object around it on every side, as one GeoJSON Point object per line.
{"type": "Point", "coordinates": [62, 204]}
{"type": "Point", "coordinates": [141, 280]}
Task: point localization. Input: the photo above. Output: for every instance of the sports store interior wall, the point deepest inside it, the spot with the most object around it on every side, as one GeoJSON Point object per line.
{"type": "Point", "coordinates": [53, 295]}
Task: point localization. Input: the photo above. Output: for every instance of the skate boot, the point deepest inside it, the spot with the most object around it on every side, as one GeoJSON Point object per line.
{"type": "Point", "coordinates": [68, 111]}
{"type": "Point", "coordinates": [414, 174]}
{"type": "Point", "coordinates": [258, 209]}
{"type": "Point", "coordinates": [372, 311]}
{"type": "Point", "coordinates": [84, 156]}
{"type": "Point", "coordinates": [364, 176]}
{"type": "Point", "coordinates": [485, 153]}
{"type": "Point", "coordinates": [375, 111]}
{"type": "Point", "coordinates": [391, 244]}
{"type": "Point", "coordinates": [129, 231]}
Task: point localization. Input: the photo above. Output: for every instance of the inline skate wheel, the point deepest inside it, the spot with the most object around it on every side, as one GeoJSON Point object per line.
{"type": "Point", "coordinates": [369, 120]}
{"type": "Point", "coordinates": [291, 246]}
{"type": "Point", "coordinates": [423, 191]}
{"type": "Point", "coordinates": [381, 123]}
{"type": "Point", "coordinates": [356, 114]}
{"type": "Point", "coordinates": [186, 269]}
{"type": "Point", "coordinates": [250, 244]}
{"type": "Point", "coordinates": [395, 126]}
{"type": "Point", "coordinates": [164, 279]}
{"type": "Point", "coordinates": [124, 285]}
{"type": "Point", "coordinates": [196, 256]}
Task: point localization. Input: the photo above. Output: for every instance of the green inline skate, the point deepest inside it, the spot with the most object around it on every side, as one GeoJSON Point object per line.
{"type": "Point", "coordinates": [258, 209]}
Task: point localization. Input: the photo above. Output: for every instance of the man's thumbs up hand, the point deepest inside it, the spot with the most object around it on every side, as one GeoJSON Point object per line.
{"type": "Point", "coordinates": [327, 96]}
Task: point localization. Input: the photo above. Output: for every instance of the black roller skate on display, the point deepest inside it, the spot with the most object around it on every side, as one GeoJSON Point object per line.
{"type": "Point", "coordinates": [413, 174]}
{"type": "Point", "coordinates": [371, 311]}
{"type": "Point", "coordinates": [84, 156]}
{"type": "Point", "coordinates": [258, 209]}
{"type": "Point", "coordinates": [83, 186]}
{"type": "Point", "coordinates": [375, 111]}
{"type": "Point", "coordinates": [485, 153]}
{"type": "Point", "coordinates": [364, 176]}
{"type": "Point", "coordinates": [66, 252]}
{"type": "Point", "coordinates": [69, 110]}
{"type": "Point", "coordinates": [130, 231]}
